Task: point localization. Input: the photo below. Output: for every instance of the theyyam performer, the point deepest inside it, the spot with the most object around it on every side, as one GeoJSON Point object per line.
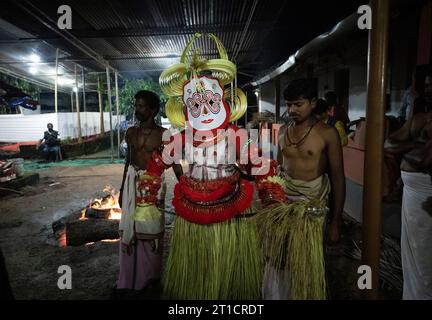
{"type": "Point", "coordinates": [214, 247]}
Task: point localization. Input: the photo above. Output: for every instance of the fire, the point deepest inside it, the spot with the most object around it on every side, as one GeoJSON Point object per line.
{"type": "Point", "coordinates": [109, 202]}
{"type": "Point", "coordinates": [110, 240]}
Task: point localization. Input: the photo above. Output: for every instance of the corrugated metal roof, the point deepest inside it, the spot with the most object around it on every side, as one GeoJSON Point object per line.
{"type": "Point", "coordinates": [142, 37]}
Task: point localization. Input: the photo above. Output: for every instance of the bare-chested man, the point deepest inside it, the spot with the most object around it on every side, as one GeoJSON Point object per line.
{"type": "Point", "coordinates": [414, 142]}
{"type": "Point", "coordinates": [310, 158]}
{"type": "Point", "coordinates": [310, 149]}
{"type": "Point", "coordinates": [140, 254]}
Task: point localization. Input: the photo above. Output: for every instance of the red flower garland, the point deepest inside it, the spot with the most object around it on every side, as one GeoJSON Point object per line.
{"type": "Point", "coordinates": [203, 215]}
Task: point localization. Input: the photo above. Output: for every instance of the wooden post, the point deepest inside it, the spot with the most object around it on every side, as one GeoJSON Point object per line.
{"type": "Point", "coordinates": [118, 114]}
{"type": "Point", "coordinates": [77, 106]}
{"type": "Point", "coordinates": [376, 92]}
{"type": "Point", "coordinates": [110, 111]}
{"type": "Point", "coordinates": [101, 111]}
{"type": "Point", "coordinates": [277, 98]}
{"type": "Point", "coordinates": [56, 83]}
{"type": "Point", "coordinates": [84, 100]}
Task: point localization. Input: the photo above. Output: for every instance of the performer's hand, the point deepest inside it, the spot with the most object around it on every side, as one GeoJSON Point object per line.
{"type": "Point", "coordinates": [333, 233]}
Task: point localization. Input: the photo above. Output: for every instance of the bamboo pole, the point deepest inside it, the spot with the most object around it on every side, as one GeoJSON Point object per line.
{"type": "Point", "coordinates": [101, 111]}
{"type": "Point", "coordinates": [118, 114]}
{"type": "Point", "coordinates": [56, 83]}
{"type": "Point", "coordinates": [84, 99]}
{"type": "Point", "coordinates": [372, 197]}
{"type": "Point", "coordinates": [110, 115]}
{"type": "Point", "coordinates": [77, 106]}
{"type": "Point", "coordinates": [277, 99]}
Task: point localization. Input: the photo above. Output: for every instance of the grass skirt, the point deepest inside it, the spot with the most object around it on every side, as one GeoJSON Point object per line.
{"type": "Point", "coordinates": [219, 261]}
{"type": "Point", "coordinates": [291, 237]}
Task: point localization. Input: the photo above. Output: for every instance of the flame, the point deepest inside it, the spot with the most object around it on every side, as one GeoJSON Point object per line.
{"type": "Point", "coordinates": [105, 203]}
{"type": "Point", "coordinates": [83, 212]}
{"type": "Point", "coordinates": [63, 240]}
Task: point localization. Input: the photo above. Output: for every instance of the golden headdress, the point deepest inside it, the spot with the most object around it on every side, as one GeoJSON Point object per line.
{"type": "Point", "coordinates": [173, 79]}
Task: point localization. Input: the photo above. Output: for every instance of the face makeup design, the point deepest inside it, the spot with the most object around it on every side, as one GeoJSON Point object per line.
{"type": "Point", "coordinates": [206, 109]}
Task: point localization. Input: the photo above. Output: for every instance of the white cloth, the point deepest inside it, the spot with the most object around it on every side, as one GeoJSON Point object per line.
{"type": "Point", "coordinates": [275, 284]}
{"type": "Point", "coordinates": [128, 206]}
{"type": "Point", "coordinates": [416, 239]}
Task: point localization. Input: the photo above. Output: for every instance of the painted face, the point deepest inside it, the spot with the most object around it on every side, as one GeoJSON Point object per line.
{"type": "Point", "coordinates": [206, 109]}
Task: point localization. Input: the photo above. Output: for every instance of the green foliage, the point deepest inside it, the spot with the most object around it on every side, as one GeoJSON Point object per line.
{"type": "Point", "coordinates": [66, 141]}
{"type": "Point", "coordinates": [26, 87]}
{"type": "Point", "coordinates": [131, 87]}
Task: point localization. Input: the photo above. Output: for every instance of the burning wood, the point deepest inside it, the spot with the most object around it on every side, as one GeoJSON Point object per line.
{"type": "Point", "coordinates": [80, 232]}
{"type": "Point", "coordinates": [99, 221]}
{"type": "Point", "coordinates": [107, 207]}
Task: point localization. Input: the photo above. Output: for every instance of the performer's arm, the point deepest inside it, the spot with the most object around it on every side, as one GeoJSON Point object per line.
{"type": "Point", "coordinates": [178, 170]}
{"type": "Point", "coordinates": [337, 181]}
{"type": "Point", "coordinates": [400, 141]}
{"type": "Point", "coordinates": [168, 138]}
{"type": "Point", "coordinates": [264, 170]}
{"type": "Point", "coordinates": [280, 156]}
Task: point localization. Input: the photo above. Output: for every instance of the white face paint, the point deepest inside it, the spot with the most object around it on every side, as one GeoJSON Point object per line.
{"type": "Point", "coordinates": [205, 107]}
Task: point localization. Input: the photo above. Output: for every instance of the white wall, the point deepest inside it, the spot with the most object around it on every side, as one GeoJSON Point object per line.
{"type": "Point", "coordinates": [267, 97]}
{"type": "Point", "coordinates": [358, 89]}
{"type": "Point", "coordinates": [21, 128]}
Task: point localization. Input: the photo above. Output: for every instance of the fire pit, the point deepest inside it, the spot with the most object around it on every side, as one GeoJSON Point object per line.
{"type": "Point", "coordinates": [99, 221]}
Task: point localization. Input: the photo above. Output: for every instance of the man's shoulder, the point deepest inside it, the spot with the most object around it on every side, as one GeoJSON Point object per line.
{"type": "Point", "coordinates": [322, 127]}
{"type": "Point", "coordinates": [326, 131]}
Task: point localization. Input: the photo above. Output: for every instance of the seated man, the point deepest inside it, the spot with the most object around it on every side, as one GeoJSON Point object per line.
{"type": "Point", "coordinates": [50, 143]}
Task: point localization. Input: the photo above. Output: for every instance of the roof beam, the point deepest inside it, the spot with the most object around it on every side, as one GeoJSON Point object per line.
{"type": "Point", "coordinates": [147, 32]}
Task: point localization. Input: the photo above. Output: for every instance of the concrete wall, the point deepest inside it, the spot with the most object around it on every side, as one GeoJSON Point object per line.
{"type": "Point", "coordinates": [21, 128]}
{"type": "Point", "coordinates": [267, 97]}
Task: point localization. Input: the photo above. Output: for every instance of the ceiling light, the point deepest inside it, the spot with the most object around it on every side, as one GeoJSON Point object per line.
{"type": "Point", "coordinates": [64, 81]}
{"type": "Point", "coordinates": [34, 58]}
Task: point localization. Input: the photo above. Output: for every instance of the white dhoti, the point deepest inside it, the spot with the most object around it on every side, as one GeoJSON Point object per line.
{"type": "Point", "coordinates": [416, 238]}
{"type": "Point", "coordinates": [141, 229]}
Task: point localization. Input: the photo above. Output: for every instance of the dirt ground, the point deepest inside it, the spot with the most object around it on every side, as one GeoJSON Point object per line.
{"type": "Point", "coordinates": [33, 257]}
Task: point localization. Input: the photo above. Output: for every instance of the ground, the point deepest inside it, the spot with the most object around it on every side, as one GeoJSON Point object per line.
{"type": "Point", "coordinates": [33, 257]}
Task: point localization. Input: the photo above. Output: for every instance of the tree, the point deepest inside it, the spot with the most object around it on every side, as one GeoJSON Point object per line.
{"type": "Point", "coordinates": [131, 87]}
